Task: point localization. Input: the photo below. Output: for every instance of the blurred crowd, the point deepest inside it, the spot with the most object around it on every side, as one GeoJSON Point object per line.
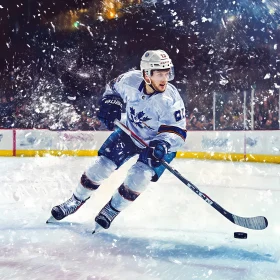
{"type": "Point", "coordinates": [62, 117]}
{"type": "Point", "coordinates": [261, 112]}
{"type": "Point", "coordinates": [257, 110]}
{"type": "Point", "coordinates": [53, 78]}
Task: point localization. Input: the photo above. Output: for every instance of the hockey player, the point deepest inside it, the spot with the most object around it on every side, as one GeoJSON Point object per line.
{"type": "Point", "coordinates": [156, 113]}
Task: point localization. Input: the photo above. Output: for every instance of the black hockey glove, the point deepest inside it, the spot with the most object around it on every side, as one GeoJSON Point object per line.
{"type": "Point", "coordinates": [110, 109]}
{"type": "Point", "coordinates": [154, 153]}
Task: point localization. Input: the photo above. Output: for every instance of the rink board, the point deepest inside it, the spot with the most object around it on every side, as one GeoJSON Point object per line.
{"type": "Point", "coordinates": [256, 146]}
{"type": "Point", "coordinates": [6, 142]}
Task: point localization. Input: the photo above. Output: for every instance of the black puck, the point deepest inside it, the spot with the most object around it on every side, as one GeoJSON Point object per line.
{"type": "Point", "coordinates": [240, 235]}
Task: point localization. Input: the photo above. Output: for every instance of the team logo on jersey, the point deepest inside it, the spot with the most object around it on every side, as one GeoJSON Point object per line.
{"type": "Point", "coordinates": [139, 119]}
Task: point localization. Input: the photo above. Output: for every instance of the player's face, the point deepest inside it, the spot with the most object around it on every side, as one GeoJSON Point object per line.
{"type": "Point", "coordinates": [160, 79]}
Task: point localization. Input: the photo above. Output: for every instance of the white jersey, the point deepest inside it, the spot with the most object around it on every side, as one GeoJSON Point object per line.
{"type": "Point", "coordinates": [151, 116]}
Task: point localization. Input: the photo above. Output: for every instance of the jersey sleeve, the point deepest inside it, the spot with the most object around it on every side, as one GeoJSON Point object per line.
{"type": "Point", "coordinates": [172, 127]}
{"type": "Point", "coordinates": [117, 87]}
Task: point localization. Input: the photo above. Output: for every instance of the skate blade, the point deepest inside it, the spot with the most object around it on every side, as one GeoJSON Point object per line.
{"type": "Point", "coordinates": [51, 220]}
{"type": "Point", "coordinates": [97, 228]}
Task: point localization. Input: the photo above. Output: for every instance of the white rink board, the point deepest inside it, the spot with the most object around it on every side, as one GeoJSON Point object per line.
{"type": "Point", "coordinates": [59, 140]}
{"type": "Point", "coordinates": [257, 142]}
{"type": "Point", "coordinates": [214, 141]}
{"type": "Point", "coordinates": [6, 139]}
{"type": "Point", "coordinates": [267, 142]}
{"type": "Point", "coordinates": [262, 143]}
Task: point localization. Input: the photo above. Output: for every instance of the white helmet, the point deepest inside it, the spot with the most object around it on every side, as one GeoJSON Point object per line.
{"type": "Point", "coordinates": [156, 60]}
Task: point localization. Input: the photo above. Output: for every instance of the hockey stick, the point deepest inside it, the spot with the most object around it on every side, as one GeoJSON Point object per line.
{"type": "Point", "coordinates": [256, 223]}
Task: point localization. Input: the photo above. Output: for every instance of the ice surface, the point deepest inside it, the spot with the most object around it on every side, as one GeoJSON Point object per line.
{"type": "Point", "coordinates": [167, 233]}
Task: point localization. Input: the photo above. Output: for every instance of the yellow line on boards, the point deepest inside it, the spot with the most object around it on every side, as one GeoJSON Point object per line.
{"type": "Point", "coordinates": [180, 154]}
{"type": "Point", "coordinates": [264, 158]}
{"type": "Point", "coordinates": [6, 153]}
{"type": "Point", "coordinates": [211, 155]}
{"type": "Point", "coordinates": [230, 156]}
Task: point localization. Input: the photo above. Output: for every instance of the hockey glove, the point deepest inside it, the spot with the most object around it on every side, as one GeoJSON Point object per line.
{"type": "Point", "coordinates": [110, 109]}
{"type": "Point", "coordinates": [154, 153]}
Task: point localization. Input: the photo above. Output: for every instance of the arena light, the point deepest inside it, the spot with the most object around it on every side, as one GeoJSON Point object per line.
{"type": "Point", "coordinates": [231, 19]}
{"type": "Point", "coordinates": [76, 24]}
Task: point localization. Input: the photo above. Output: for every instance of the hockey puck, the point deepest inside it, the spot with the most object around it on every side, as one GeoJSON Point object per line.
{"type": "Point", "coordinates": [240, 235]}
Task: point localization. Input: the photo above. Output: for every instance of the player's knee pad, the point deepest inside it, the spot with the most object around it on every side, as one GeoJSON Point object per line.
{"type": "Point", "coordinates": [88, 184]}
{"type": "Point", "coordinates": [127, 193]}
{"type": "Point", "coordinates": [85, 188]}
{"type": "Point", "coordinates": [100, 170]}
{"type": "Point", "coordinates": [123, 197]}
{"type": "Point", "coordinates": [139, 176]}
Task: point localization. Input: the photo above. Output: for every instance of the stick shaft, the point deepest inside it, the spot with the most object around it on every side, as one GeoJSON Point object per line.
{"type": "Point", "coordinates": [257, 223]}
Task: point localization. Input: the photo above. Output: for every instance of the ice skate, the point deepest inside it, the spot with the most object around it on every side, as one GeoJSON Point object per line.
{"type": "Point", "coordinates": [105, 217]}
{"type": "Point", "coordinates": [68, 207]}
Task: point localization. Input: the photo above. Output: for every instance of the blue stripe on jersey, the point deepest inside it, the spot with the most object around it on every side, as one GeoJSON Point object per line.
{"type": "Point", "coordinates": [141, 86]}
{"type": "Point", "coordinates": [173, 129]}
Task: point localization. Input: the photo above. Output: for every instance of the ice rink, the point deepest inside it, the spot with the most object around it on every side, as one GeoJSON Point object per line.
{"type": "Point", "coordinates": [168, 233]}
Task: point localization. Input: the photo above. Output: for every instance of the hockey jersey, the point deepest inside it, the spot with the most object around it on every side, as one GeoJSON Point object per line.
{"type": "Point", "coordinates": [160, 115]}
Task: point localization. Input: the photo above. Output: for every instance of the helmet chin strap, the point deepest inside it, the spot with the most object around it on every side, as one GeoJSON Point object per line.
{"type": "Point", "coordinates": [149, 84]}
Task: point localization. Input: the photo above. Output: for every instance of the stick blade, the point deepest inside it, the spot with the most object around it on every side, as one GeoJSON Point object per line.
{"type": "Point", "coordinates": [256, 223]}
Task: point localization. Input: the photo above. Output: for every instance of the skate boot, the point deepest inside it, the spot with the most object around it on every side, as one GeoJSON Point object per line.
{"type": "Point", "coordinates": [105, 217]}
{"type": "Point", "coordinates": [68, 207]}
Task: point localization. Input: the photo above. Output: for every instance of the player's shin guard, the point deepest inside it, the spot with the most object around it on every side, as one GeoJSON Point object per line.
{"type": "Point", "coordinates": [137, 180]}
{"type": "Point", "coordinates": [85, 188]}
{"type": "Point", "coordinates": [100, 170]}
{"type": "Point", "coordinates": [81, 194]}
{"type": "Point", "coordinates": [122, 198]}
